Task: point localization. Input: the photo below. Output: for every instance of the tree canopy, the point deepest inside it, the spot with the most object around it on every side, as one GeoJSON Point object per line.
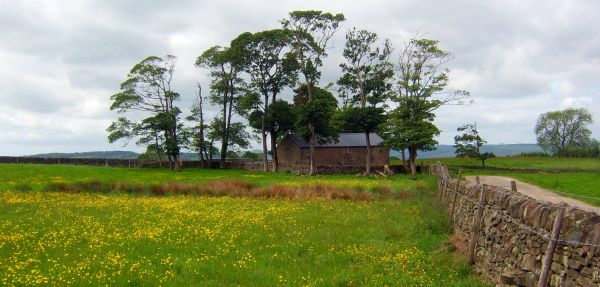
{"type": "Point", "coordinates": [559, 131]}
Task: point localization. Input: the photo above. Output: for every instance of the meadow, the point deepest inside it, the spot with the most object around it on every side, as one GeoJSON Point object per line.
{"type": "Point", "coordinates": [117, 238]}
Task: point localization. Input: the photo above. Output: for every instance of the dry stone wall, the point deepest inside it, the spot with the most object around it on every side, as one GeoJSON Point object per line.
{"type": "Point", "coordinates": [237, 164]}
{"type": "Point", "coordinates": [515, 232]}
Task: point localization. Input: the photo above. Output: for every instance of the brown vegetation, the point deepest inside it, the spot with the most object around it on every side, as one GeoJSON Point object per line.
{"type": "Point", "coordinates": [233, 188]}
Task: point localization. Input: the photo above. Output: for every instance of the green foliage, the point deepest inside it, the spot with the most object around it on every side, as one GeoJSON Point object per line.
{"type": "Point", "coordinates": [250, 155]}
{"type": "Point", "coordinates": [317, 112]}
{"type": "Point", "coordinates": [237, 135]}
{"type": "Point", "coordinates": [367, 71]}
{"type": "Point", "coordinates": [311, 31]}
{"type": "Point", "coordinates": [559, 131]}
{"type": "Point", "coordinates": [362, 120]}
{"type": "Point", "coordinates": [469, 143]}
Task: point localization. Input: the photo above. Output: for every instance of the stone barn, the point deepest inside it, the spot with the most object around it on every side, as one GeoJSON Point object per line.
{"type": "Point", "coordinates": [350, 151]}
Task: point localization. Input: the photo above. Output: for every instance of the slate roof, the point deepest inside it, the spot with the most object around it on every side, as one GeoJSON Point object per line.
{"type": "Point", "coordinates": [345, 140]}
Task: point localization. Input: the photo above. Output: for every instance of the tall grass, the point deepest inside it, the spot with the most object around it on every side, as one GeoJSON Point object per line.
{"type": "Point", "coordinates": [232, 188]}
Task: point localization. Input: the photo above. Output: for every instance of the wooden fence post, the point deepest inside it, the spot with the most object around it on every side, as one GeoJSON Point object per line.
{"type": "Point", "coordinates": [475, 226]}
{"type": "Point", "coordinates": [454, 194]}
{"type": "Point", "coordinates": [513, 185]}
{"type": "Point", "coordinates": [545, 274]}
{"type": "Point", "coordinates": [440, 186]}
{"type": "Point", "coordinates": [477, 181]}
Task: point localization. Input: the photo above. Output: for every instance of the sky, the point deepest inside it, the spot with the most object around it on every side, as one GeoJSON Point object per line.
{"type": "Point", "coordinates": [62, 60]}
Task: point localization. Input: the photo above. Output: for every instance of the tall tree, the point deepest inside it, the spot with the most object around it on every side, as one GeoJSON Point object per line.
{"type": "Point", "coordinates": [366, 81]}
{"type": "Point", "coordinates": [198, 132]}
{"type": "Point", "coordinates": [147, 89]}
{"type": "Point", "coordinates": [421, 89]}
{"type": "Point", "coordinates": [225, 66]}
{"type": "Point", "coordinates": [269, 62]}
{"type": "Point", "coordinates": [468, 144]}
{"type": "Point", "coordinates": [311, 32]}
{"type": "Point", "coordinates": [557, 131]}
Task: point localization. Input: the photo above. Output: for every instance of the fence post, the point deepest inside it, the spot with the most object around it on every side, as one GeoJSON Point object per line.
{"type": "Point", "coordinates": [475, 226]}
{"type": "Point", "coordinates": [477, 180]}
{"type": "Point", "coordinates": [513, 185]}
{"type": "Point", "coordinates": [440, 184]}
{"type": "Point", "coordinates": [454, 194]}
{"type": "Point", "coordinates": [545, 274]}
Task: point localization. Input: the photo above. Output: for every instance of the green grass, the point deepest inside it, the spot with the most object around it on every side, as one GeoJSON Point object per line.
{"type": "Point", "coordinates": [57, 238]}
{"type": "Point", "coordinates": [577, 185]}
{"type": "Point", "coordinates": [38, 176]}
{"type": "Point", "coordinates": [546, 163]}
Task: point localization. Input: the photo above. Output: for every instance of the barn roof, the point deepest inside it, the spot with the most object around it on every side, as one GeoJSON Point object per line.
{"type": "Point", "coordinates": [345, 140]}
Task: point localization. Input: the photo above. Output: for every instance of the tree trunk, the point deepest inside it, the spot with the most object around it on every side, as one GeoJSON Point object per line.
{"type": "Point", "coordinates": [412, 156]}
{"type": "Point", "coordinates": [274, 157]}
{"type": "Point", "coordinates": [404, 166]}
{"type": "Point", "coordinates": [264, 144]}
{"type": "Point", "coordinates": [368, 163]}
{"type": "Point", "coordinates": [264, 133]}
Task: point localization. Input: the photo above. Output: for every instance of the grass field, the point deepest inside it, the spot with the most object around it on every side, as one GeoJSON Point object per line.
{"type": "Point", "coordinates": [115, 239]}
{"type": "Point", "coordinates": [544, 163]}
{"type": "Point", "coordinates": [580, 185]}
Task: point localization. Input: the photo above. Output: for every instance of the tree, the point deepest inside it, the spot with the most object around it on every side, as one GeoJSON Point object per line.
{"type": "Point", "coordinates": [271, 67]}
{"type": "Point", "coordinates": [318, 112]}
{"type": "Point", "coordinates": [469, 142]}
{"type": "Point", "coordinates": [558, 131]}
{"type": "Point", "coordinates": [237, 135]}
{"type": "Point", "coordinates": [147, 90]}
{"type": "Point", "coordinates": [225, 65]}
{"type": "Point", "coordinates": [280, 121]}
{"type": "Point", "coordinates": [311, 32]}
{"type": "Point", "coordinates": [367, 72]}
{"type": "Point", "coordinates": [421, 89]}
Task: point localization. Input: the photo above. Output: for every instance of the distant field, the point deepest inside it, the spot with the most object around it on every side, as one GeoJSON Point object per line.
{"type": "Point", "coordinates": [523, 162]}
{"type": "Point", "coordinates": [57, 238]}
{"type": "Point", "coordinates": [579, 185]}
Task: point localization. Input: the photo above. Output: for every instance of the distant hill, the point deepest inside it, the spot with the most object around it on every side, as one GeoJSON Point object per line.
{"type": "Point", "coordinates": [91, 154]}
{"type": "Point", "coordinates": [441, 151]}
{"type": "Point", "coordinates": [497, 149]}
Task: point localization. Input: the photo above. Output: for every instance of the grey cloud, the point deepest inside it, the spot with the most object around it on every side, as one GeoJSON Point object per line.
{"type": "Point", "coordinates": [62, 60]}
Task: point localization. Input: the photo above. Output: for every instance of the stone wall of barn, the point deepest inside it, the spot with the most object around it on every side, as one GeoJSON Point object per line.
{"type": "Point", "coordinates": [290, 154]}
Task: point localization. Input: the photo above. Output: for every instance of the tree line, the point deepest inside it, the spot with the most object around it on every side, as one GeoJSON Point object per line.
{"type": "Point", "coordinates": [396, 99]}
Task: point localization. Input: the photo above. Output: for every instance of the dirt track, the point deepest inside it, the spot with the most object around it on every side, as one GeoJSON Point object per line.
{"type": "Point", "coordinates": [533, 191]}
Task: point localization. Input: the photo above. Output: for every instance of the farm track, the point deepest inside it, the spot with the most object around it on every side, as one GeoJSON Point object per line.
{"type": "Point", "coordinates": [534, 191]}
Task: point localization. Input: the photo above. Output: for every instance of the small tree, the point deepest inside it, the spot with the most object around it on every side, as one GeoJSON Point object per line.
{"type": "Point", "coordinates": [421, 89]}
{"type": "Point", "coordinates": [468, 144]}
{"type": "Point", "coordinates": [557, 131]}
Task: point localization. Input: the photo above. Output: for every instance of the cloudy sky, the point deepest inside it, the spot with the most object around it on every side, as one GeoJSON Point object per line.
{"type": "Point", "coordinates": [61, 60]}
